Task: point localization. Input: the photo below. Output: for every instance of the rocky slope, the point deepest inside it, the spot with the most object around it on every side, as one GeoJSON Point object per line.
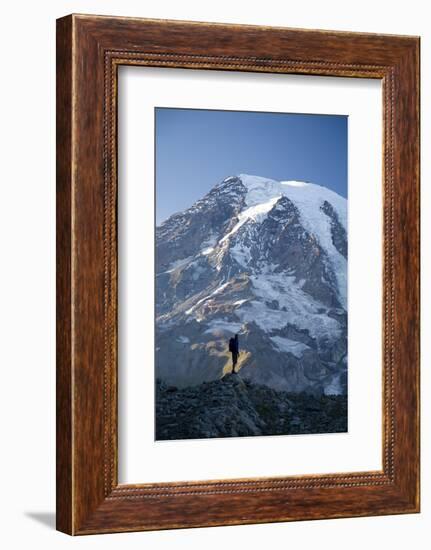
{"type": "Point", "coordinates": [232, 407]}
{"type": "Point", "coordinates": [268, 260]}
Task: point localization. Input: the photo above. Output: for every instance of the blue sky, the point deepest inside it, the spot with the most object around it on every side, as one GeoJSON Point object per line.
{"type": "Point", "coordinates": [196, 149]}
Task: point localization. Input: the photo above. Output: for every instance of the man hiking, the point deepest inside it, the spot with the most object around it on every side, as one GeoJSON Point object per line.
{"type": "Point", "coordinates": [234, 349]}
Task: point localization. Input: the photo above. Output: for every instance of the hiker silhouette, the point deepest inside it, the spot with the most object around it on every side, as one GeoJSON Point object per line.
{"type": "Point", "coordinates": [234, 349]}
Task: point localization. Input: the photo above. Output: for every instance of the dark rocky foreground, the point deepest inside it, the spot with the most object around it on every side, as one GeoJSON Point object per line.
{"type": "Point", "coordinates": [232, 407]}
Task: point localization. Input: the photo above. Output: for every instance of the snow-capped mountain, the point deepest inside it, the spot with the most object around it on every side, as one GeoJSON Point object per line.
{"type": "Point", "coordinates": [266, 259]}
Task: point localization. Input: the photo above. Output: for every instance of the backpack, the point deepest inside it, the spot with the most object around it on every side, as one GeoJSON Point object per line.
{"type": "Point", "coordinates": [231, 345]}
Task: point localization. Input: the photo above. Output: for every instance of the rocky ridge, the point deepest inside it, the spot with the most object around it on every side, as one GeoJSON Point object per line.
{"type": "Point", "coordinates": [233, 407]}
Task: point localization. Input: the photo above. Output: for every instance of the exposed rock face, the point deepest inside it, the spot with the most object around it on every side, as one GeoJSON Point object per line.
{"type": "Point", "coordinates": [232, 407]}
{"type": "Point", "coordinates": [338, 233]}
{"type": "Point", "coordinates": [265, 259]}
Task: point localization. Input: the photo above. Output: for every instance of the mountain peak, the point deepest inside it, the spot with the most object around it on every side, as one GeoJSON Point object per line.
{"type": "Point", "coordinates": [262, 257]}
{"type": "Point", "coordinates": [253, 179]}
{"type": "Point", "coordinates": [261, 189]}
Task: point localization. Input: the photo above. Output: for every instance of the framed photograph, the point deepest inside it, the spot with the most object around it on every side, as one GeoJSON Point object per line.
{"type": "Point", "coordinates": [237, 274]}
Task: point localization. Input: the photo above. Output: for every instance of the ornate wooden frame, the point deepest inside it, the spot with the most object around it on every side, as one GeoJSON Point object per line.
{"type": "Point", "coordinates": [89, 51]}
